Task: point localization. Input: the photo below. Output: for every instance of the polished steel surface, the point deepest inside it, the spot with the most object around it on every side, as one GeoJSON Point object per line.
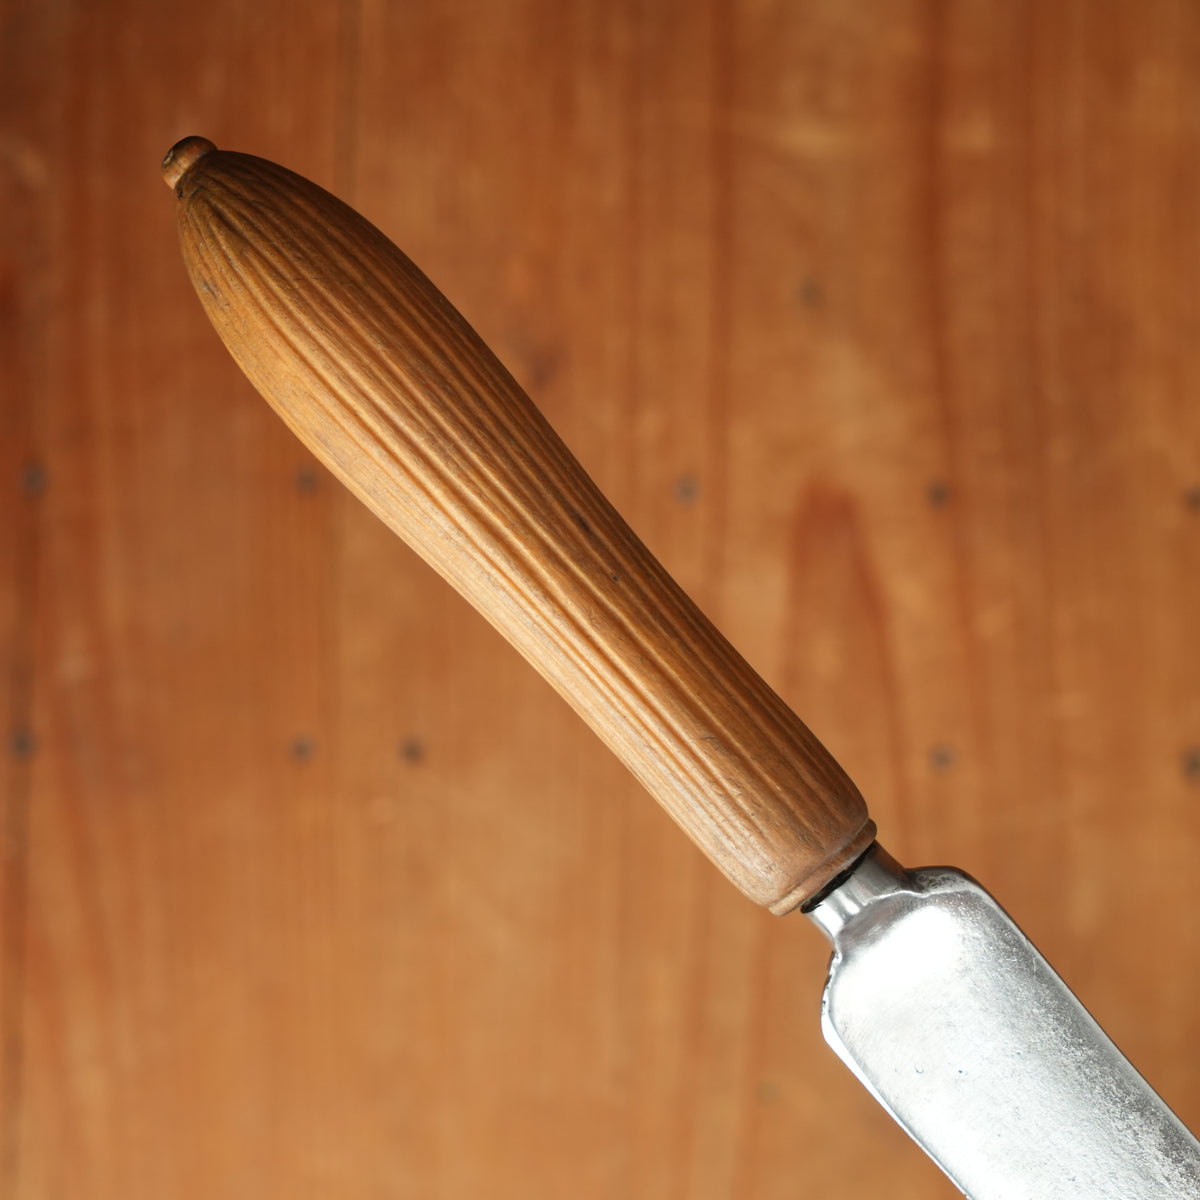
{"type": "Point", "coordinates": [965, 1034]}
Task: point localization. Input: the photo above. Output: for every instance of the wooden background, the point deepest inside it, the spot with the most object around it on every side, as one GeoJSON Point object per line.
{"type": "Point", "coordinates": [879, 320]}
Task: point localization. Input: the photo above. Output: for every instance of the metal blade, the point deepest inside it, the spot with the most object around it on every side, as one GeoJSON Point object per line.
{"type": "Point", "coordinates": [965, 1034]}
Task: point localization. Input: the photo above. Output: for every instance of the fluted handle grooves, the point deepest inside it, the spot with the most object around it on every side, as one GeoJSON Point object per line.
{"type": "Point", "coordinates": [374, 369]}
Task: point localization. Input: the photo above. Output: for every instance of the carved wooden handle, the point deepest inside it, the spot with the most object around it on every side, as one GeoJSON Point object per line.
{"type": "Point", "coordinates": [387, 384]}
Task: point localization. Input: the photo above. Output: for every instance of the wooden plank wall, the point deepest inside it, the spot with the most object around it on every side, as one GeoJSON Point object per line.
{"type": "Point", "coordinates": [879, 320]}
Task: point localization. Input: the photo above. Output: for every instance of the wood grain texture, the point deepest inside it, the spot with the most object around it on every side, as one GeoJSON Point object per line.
{"type": "Point", "coordinates": [877, 322]}
{"type": "Point", "coordinates": [378, 375]}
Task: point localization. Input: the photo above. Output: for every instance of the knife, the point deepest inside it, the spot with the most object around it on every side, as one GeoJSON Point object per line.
{"type": "Point", "coordinates": [935, 999]}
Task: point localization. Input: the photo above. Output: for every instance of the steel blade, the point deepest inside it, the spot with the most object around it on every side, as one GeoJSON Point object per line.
{"type": "Point", "coordinates": [966, 1035]}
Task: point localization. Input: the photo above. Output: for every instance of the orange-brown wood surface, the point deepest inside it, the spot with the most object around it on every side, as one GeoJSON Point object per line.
{"type": "Point", "coordinates": [880, 322]}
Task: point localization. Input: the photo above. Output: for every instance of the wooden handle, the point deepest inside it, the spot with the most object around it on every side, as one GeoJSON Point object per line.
{"type": "Point", "coordinates": [386, 383]}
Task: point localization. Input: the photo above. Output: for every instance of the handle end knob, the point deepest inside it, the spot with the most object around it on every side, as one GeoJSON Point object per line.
{"type": "Point", "coordinates": [182, 157]}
